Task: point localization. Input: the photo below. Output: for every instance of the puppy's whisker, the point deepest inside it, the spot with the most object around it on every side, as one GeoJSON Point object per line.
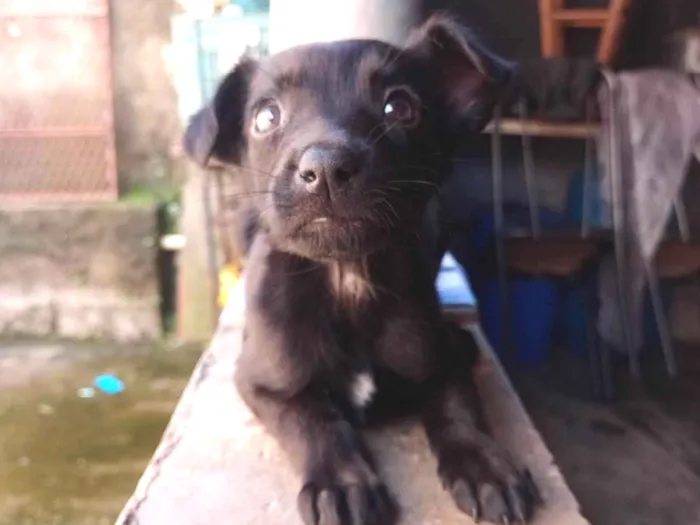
{"type": "Point", "coordinates": [390, 60]}
{"type": "Point", "coordinates": [418, 167]}
{"type": "Point", "coordinates": [392, 209]}
{"type": "Point", "coordinates": [243, 194]}
{"type": "Point", "coordinates": [305, 271]}
{"type": "Point", "coordinates": [375, 128]}
{"type": "Point", "coordinates": [423, 182]}
{"type": "Point", "coordinates": [383, 134]}
{"type": "Point", "coordinates": [257, 171]}
{"type": "Point", "coordinates": [261, 213]}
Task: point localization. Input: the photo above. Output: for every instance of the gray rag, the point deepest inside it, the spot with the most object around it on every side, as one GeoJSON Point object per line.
{"type": "Point", "coordinates": [658, 122]}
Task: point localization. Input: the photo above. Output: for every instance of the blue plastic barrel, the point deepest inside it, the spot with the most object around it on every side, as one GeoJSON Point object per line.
{"type": "Point", "coordinates": [533, 306]}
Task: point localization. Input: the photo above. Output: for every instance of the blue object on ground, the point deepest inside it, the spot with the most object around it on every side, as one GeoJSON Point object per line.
{"type": "Point", "coordinates": [533, 303]}
{"type": "Point", "coordinates": [452, 284]}
{"type": "Point", "coordinates": [109, 384]}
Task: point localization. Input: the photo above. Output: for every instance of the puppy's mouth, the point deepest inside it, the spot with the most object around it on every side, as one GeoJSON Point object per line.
{"type": "Point", "coordinates": [333, 237]}
{"type": "Point", "coordinates": [331, 228]}
{"type": "Point", "coordinates": [338, 222]}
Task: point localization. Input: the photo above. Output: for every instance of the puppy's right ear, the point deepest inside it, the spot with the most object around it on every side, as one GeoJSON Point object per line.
{"type": "Point", "coordinates": [469, 75]}
{"type": "Point", "coordinates": [215, 134]}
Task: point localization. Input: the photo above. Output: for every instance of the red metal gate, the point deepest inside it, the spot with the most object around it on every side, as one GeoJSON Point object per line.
{"type": "Point", "coordinates": [56, 103]}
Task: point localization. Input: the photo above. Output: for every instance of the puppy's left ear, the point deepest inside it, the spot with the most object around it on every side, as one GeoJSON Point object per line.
{"type": "Point", "coordinates": [470, 76]}
{"type": "Point", "coordinates": [200, 136]}
{"type": "Point", "coordinates": [215, 134]}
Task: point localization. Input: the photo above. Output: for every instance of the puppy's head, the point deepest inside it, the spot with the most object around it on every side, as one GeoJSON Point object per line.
{"type": "Point", "coordinates": [340, 145]}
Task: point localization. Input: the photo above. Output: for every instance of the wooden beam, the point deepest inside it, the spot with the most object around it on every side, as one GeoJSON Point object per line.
{"type": "Point", "coordinates": [540, 128]}
{"type": "Point", "coordinates": [582, 17]}
{"type": "Point", "coordinates": [551, 35]}
{"type": "Point", "coordinates": [612, 32]}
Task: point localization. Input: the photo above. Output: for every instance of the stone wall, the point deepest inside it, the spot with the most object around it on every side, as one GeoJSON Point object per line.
{"type": "Point", "coordinates": [79, 271]}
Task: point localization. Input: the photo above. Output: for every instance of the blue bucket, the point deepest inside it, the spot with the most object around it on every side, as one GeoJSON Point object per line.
{"type": "Point", "coordinates": [533, 305]}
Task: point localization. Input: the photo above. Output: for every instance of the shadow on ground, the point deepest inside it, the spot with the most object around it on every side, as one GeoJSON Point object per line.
{"type": "Point", "coordinates": [634, 461]}
{"type": "Point", "coordinates": [71, 460]}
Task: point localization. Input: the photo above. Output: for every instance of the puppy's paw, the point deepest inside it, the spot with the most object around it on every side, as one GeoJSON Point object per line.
{"type": "Point", "coordinates": [485, 485]}
{"type": "Point", "coordinates": [346, 498]}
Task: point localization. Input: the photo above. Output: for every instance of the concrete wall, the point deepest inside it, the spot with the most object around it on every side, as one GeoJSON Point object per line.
{"type": "Point", "coordinates": [145, 100]}
{"type": "Point", "coordinates": [79, 272]}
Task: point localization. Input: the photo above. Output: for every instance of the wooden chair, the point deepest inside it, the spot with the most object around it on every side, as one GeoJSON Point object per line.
{"type": "Point", "coordinates": [563, 255]}
{"type": "Point", "coordinates": [567, 255]}
{"type": "Point", "coordinates": [555, 18]}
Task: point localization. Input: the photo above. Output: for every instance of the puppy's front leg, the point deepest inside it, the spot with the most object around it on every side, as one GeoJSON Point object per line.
{"type": "Point", "coordinates": [341, 485]}
{"type": "Point", "coordinates": [481, 477]}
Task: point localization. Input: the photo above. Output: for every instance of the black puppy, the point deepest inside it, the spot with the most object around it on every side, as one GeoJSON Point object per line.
{"type": "Point", "coordinates": [340, 146]}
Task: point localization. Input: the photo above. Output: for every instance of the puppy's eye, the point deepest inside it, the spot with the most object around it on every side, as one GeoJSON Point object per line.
{"type": "Point", "coordinates": [267, 118]}
{"type": "Point", "coordinates": [401, 107]}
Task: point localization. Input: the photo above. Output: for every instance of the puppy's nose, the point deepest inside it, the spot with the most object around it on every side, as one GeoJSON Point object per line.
{"type": "Point", "coordinates": [329, 165]}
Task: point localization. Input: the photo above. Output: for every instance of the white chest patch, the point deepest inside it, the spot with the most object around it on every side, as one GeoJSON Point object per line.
{"type": "Point", "coordinates": [350, 283]}
{"type": "Point", "coordinates": [362, 389]}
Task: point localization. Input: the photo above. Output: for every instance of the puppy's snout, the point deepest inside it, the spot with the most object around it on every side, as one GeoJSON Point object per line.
{"type": "Point", "coordinates": [328, 165]}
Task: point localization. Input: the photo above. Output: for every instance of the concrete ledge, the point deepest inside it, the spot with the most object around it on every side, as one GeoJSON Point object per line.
{"type": "Point", "coordinates": [216, 464]}
{"type": "Point", "coordinates": [79, 271]}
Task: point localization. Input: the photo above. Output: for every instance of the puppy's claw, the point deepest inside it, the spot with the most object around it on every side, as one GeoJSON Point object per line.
{"type": "Point", "coordinates": [518, 500]}
{"type": "Point", "coordinates": [489, 493]}
{"type": "Point", "coordinates": [493, 503]}
{"type": "Point", "coordinates": [358, 504]}
{"type": "Point", "coordinates": [532, 489]}
{"type": "Point", "coordinates": [329, 508]}
{"type": "Point", "coordinates": [463, 495]}
{"type": "Point", "coordinates": [383, 505]}
{"type": "Point", "coordinates": [306, 503]}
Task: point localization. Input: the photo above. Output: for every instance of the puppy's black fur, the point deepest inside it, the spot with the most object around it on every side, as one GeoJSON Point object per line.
{"type": "Point", "coordinates": [340, 147]}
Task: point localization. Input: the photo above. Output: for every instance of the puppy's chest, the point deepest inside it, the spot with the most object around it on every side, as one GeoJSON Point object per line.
{"type": "Point", "coordinates": [351, 286]}
{"type": "Point", "coordinates": [361, 388]}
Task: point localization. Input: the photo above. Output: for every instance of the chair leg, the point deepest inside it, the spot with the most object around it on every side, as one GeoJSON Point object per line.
{"type": "Point", "coordinates": [594, 357]}
{"type": "Point", "coordinates": [509, 347]}
{"type": "Point", "coordinates": [696, 285]}
{"type": "Point", "coordinates": [661, 320]}
{"type": "Point", "coordinates": [607, 372]}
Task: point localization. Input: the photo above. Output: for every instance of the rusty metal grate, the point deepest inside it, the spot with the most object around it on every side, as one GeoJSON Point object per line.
{"type": "Point", "coordinates": [56, 109]}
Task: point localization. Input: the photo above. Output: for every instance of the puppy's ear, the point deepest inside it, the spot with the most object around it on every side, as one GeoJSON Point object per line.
{"type": "Point", "coordinates": [215, 134]}
{"type": "Point", "coordinates": [470, 75]}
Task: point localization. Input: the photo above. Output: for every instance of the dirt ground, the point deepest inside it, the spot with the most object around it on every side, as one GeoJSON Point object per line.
{"type": "Point", "coordinates": [635, 461]}
{"type": "Point", "coordinates": [66, 460]}
{"type": "Point", "coordinates": [69, 453]}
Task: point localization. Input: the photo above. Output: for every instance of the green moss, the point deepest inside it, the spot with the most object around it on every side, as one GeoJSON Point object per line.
{"type": "Point", "coordinates": [151, 195]}
{"type": "Point", "coordinates": [74, 461]}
